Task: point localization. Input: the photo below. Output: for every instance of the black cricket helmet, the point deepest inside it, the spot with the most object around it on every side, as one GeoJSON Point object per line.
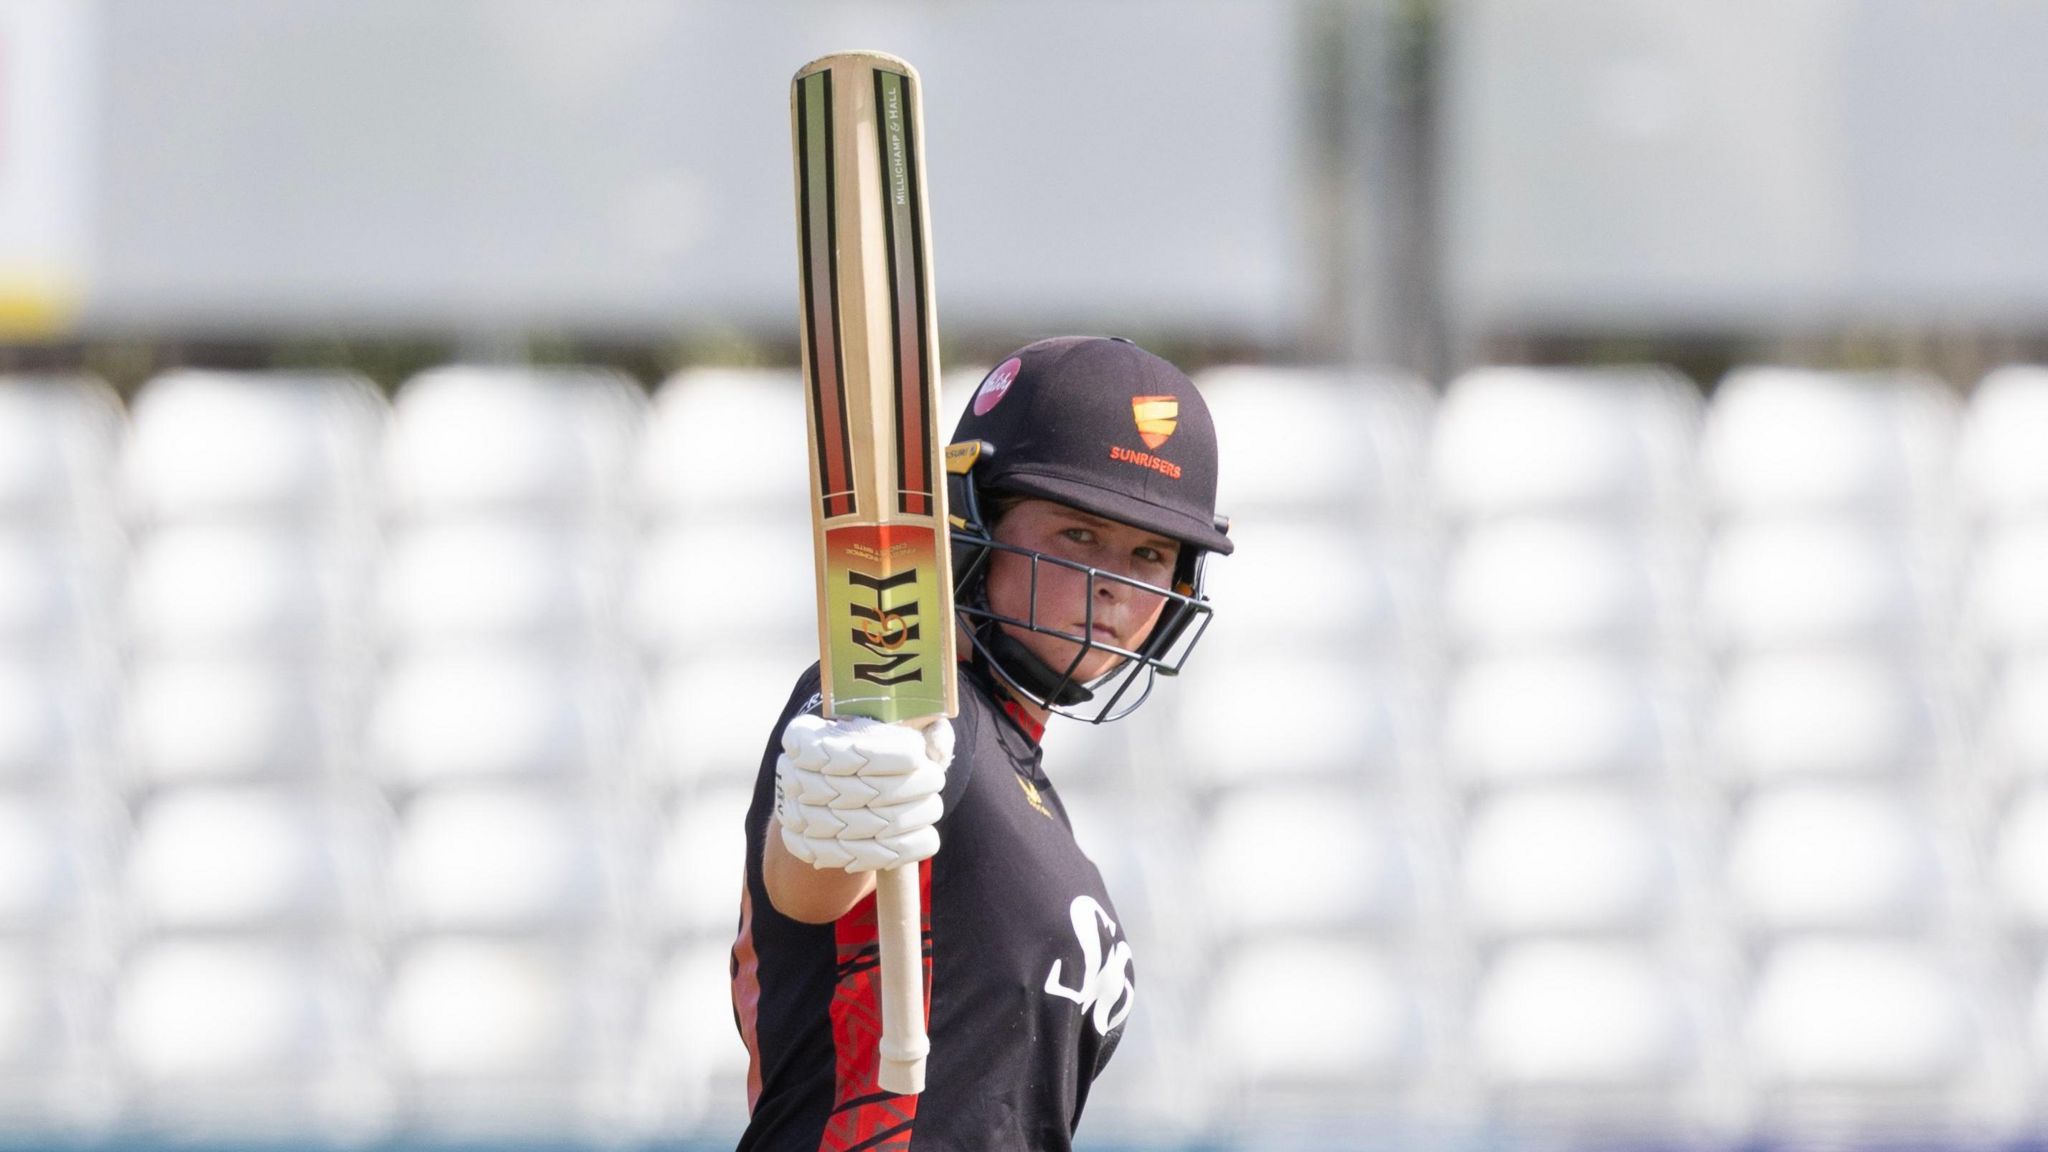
{"type": "Point", "coordinates": [1101, 425]}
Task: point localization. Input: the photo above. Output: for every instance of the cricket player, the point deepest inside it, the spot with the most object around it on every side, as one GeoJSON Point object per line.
{"type": "Point", "coordinates": [1083, 516]}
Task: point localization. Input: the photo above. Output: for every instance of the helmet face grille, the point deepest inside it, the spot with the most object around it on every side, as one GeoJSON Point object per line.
{"type": "Point", "coordinates": [1110, 696]}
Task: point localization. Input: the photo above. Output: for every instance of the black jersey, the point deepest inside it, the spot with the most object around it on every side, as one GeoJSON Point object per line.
{"type": "Point", "coordinates": [1028, 977]}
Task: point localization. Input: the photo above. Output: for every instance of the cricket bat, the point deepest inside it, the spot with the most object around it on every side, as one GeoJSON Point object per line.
{"type": "Point", "coordinates": [878, 491]}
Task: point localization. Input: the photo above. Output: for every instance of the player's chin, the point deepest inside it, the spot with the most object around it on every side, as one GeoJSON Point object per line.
{"type": "Point", "coordinates": [1096, 666]}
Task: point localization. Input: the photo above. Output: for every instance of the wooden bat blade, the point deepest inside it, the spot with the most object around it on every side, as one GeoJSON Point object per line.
{"type": "Point", "coordinates": [869, 338]}
{"type": "Point", "coordinates": [878, 494]}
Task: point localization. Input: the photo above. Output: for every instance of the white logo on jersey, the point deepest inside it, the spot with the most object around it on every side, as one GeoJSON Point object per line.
{"type": "Point", "coordinates": [1105, 982]}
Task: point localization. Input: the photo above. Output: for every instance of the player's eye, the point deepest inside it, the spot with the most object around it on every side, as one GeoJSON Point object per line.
{"type": "Point", "coordinates": [1150, 555]}
{"type": "Point", "coordinates": [1079, 535]}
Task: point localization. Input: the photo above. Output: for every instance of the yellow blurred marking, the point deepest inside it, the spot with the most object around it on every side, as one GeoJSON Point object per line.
{"type": "Point", "coordinates": [33, 308]}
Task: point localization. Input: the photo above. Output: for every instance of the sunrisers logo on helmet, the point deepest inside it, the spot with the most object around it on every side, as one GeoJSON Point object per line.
{"type": "Point", "coordinates": [1156, 417]}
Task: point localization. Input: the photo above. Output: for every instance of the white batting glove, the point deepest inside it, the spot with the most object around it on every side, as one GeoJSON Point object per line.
{"type": "Point", "coordinates": [858, 794]}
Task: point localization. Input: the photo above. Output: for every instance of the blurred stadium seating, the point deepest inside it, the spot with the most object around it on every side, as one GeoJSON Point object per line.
{"type": "Point", "coordinates": [374, 770]}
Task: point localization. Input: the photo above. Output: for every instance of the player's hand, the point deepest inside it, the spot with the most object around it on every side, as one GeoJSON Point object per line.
{"type": "Point", "coordinates": [859, 794]}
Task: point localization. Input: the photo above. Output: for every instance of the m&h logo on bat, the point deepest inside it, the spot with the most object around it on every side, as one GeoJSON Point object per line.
{"type": "Point", "coordinates": [884, 629]}
{"type": "Point", "coordinates": [1156, 416]}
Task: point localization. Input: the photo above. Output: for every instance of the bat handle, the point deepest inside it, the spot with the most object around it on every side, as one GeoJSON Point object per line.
{"type": "Point", "coordinates": [898, 926]}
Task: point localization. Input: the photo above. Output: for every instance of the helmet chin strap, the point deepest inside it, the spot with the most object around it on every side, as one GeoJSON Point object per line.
{"type": "Point", "coordinates": [1009, 658]}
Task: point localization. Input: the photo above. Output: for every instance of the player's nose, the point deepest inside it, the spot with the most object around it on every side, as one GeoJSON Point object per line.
{"type": "Point", "coordinates": [1111, 590]}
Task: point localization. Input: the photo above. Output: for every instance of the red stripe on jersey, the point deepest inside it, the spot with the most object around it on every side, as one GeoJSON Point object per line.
{"type": "Point", "coordinates": [1032, 728]}
{"type": "Point", "coordinates": [746, 994]}
{"type": "Point", "coordinates": [863, 1116]}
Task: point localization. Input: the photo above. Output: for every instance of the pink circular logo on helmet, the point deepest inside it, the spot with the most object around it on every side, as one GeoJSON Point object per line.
{"type": "Point", "coordinates": [998, 382]}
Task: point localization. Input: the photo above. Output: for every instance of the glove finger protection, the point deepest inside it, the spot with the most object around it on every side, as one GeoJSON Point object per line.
{"type": "Point", "coordinates": [938, 741]}
{"type": "Point", "coordinates": [858, 794]}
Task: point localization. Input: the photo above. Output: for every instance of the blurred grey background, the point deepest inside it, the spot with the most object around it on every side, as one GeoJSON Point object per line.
{"type": "Point", "coordinates": [1385, 183]}
{"type": "Point", "coordinates": [1632, 416]}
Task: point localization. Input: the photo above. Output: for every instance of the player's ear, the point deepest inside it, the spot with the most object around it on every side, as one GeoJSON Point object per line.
{"type": "Point", "coordinates": [1179, 614]}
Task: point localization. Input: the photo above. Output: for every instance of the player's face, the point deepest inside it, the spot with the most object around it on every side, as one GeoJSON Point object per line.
{"type": "Point", "coordinates": [1123, 615]}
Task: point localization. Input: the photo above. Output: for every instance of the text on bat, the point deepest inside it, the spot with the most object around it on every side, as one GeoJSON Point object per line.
{"type": "Point", "coordinates": [884, 629]}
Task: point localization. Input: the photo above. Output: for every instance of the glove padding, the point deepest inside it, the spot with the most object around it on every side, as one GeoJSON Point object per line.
{"type": "Point", "coordinates": [858, 794]}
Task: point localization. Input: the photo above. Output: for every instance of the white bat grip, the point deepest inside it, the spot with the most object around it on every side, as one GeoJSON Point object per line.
{"type": "Point", "coordinates": [897, 926]}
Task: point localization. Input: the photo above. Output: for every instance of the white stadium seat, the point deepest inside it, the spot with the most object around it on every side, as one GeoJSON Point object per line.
{"type": "Point", "coordinates": [713, 586]}
{"type": "Point", "coordinates": [690, 1066]}
{"type": "Point", "coordinates": [215, 718]}
{"type": "Point", "coordinates": [2037, 1024]}
{"type": "Point", "coordinates": [1257, 881]}
{"type": "Point", "coordinates": [1828, 714]}
{"type": "Point", "coordinates": [496, 582]}
{"type": "Point", "coordinates": [1103, 756]}
{"type": "Point", "coordinates": [1601, 442]}
{"type": "Point", "coordinates": [554, 444]}
{"type": "Point", "coordinates": [59, 439]}
{"type": "Point", "coordinates": [189, 1013]}
{"type": "Point", "coordinates": [701, 864]}
{"type": "Point", "coordinates": [1789, 442]}
{"type": "Point", "coordinates": [36, 1033]}
{"type": "Point", "coordinates": [492, 1039]}
{"type": "Point", "coordinates": [1534, 584]}
{"type": "Point", "coordinates": [2004, 612]}
{"type": "Point", "coordinates": [496, 714]}
{"type": "Point", "coordinates": [1816, 857]}
{"type": "Point", "coordinates": [45, 603]}
{"type": "Point", "coordinates": [708, 721]}
{"type": "Point", "coordinates": [1571, 858]}
{"type": "Point", "coordinates": [1780, 585]}
{"type": "Point", "coordinates": [1304, 582]}
{"type": "Point", "coordinates": [1811, 1024]}
{"type": "Point", "coordinates": [1100, 812]}
{"type": "Point", "coordinates": [2001, 470]}
{"type": "Point", "coordinates": [1303, 441]}
{"type": "Point", "coordinates": [40, 853]}
{"type": "Point", "coordinates": [1564, 1014]}
{"type": "Point", "coordinates": [210, 859]}
{"type": "Point", "coordinates": [2015, 724]}
{"type": "Point", "coordinates": [1515, 719]}
{"type": "Point", "coordinates": [499, 860]}
{"type": "Point", "coordinates": [1280, 715]}
{"type": "Point", "coordinates": [55, 1082]}
{"type": "Point", "coordinates": [255, 446]}
{"type": "Point", "coordinates": [36, 703]}
{"type": "Point", "coordinates": [2019, 870]}
{"type": "Point", "coordinates": [1305, 1022]}
{"type": "Point", "coordinates": [726, 444]}
{"type": "Point", "coordinates": [206, 589]}
{"type": "Point", "coordinates": [461, 1007]}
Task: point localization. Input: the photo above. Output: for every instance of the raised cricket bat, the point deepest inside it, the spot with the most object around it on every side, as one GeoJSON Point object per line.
{"type": "Point", "coordinates": [878, 491]}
